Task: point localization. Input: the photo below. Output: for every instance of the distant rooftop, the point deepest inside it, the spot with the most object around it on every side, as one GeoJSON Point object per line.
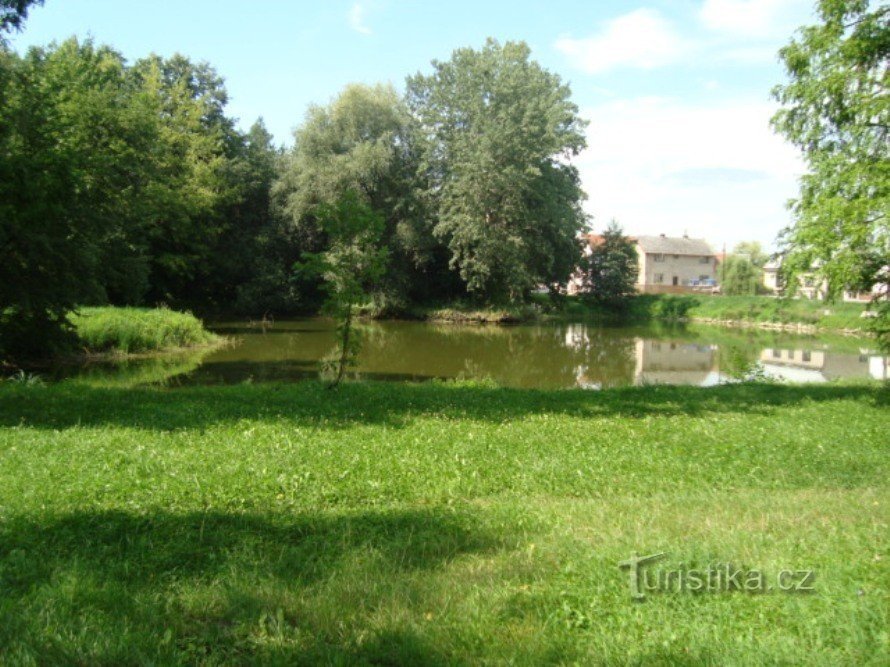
{"type": "Point", "coordinates": [670, 245]}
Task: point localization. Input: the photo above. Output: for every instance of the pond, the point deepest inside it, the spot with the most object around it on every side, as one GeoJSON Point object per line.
{"type": "Point", "coordinates": [547, 356]}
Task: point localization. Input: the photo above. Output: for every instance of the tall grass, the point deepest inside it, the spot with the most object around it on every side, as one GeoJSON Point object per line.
{"type": "Point", "coordinates": [134, 330]}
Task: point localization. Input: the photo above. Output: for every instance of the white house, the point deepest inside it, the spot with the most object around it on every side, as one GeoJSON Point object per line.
{"type": "Point", "coordinates": [675, 264]}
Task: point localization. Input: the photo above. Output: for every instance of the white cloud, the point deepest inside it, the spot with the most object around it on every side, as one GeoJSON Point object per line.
{"type": "Point", "coordinates": [356, 17]}
{"type": "Point", "coordinates": [713, 170]}
{"type": "Point", "coordinates": [643, 39]}
{"type": "Point", "coordinates": [751, 18]}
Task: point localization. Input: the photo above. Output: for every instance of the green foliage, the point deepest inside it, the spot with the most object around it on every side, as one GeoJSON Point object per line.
{"type": "Point", "coordinates": [837, 110]}
{"type": "Point", "coordinates": [739, 276]}
{"type": "Point", "coordinates": [439, 523]}
{"type": "Point", "coordinates": [752, 251]}
{"type": "Point", "coordinates": [350, 267]}
{"type": "Point", "coordinates": [132, 330]}
{"type": "Point", "coordinates": [13, 14]}
{"type": "Point", "coordinates": [765, 309]}
{"type": "Point", "coordinates": [129, 184]}
{"type": "Point", "coordinates": [119, 184]}
{"type": "Point", "coordinates": [360, 143]}
{"type": "Point", "coordinates": [611, 268]}
{"type": "Point", "coordinates": [495, 128]}
{"type": "Point", "coordinates": [67, 131]}
{"type": "Point", "coordinates": [670, 306]}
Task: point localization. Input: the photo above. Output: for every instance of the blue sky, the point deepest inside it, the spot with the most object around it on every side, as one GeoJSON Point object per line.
{"type": "Point", "coordinates": [677, 91]}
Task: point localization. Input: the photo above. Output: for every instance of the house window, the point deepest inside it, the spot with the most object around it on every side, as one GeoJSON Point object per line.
{"type": "Point", "coordinates": [676, 256]}
{"type": "Point", "coordinates": [704, 276]}
{"type": "Point", "coordinates": [658, 278]}
{"type": "Point", "coordinates": [777, 354]}
{"type": "Point", "coordinates": [658, 257]}
{"type": "Point", "coordinates": [704, 259]}
{"type": "Point", "coordinates": [805, 356]}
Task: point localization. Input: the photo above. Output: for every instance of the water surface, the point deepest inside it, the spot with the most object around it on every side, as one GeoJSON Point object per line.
{"type": "Point", "coordinates": [547, 356]}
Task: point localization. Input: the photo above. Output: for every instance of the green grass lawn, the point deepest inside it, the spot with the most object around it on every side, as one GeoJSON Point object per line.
{"type": "Point", "coordinates": [438, 523]}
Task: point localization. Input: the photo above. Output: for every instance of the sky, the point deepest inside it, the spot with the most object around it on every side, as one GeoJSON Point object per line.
{"type": "Point", "coordinates": [677, 92]}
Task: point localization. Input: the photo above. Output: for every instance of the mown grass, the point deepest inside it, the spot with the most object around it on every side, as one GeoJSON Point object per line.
{"type": "Point", "coordinates": [437, 523]}
{"type": "Point", "coordinates": [137, 330]}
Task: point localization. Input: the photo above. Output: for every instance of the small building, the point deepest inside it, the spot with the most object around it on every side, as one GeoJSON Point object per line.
{"type": "Point", "coordinates": [666, 264]}
{"type": "Point", "coordinates": [672, 264]}
{"type": "Point", "coordinates": [771, 279]}
{"type": "Point", "coordinates": [810, 286]}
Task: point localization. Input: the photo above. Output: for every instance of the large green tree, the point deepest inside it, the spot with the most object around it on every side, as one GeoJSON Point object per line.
{"type": "Point", "coordinates": [187, 190]}
{"type": "Point", "coordinates": [360, 143]}
{"type": "Point", "coordinates": [497, 131]}
{"type": "Point", "coordinates": [73, 143]}
{"type": "Point", "coordinates": [836, 108]}
{"type": "Point", "coordinates": [120, 184]}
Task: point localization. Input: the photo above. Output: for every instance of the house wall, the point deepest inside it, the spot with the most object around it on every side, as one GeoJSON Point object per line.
{"type": "Point", "coordinates": [684, 267]}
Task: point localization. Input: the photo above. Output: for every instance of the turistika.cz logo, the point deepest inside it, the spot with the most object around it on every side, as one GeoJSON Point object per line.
{"type": "Point", "coordinates": [714, 578]}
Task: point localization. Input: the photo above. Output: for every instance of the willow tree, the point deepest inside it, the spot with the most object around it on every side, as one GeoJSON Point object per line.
{"type": "Point", "coordinates": [497, 133]}
{"type": "Point", "coordinates": [361, 143]}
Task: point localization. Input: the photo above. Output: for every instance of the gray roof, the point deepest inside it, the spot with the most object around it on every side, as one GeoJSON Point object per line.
{"type": "Point", "coordinates": [669, 245]}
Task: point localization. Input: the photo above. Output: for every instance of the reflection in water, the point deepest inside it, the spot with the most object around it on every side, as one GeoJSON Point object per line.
{"type": "Point", "coordinates": [797, 365]}
{"type": "Point", "coordinates": [534, 356]}
{"type": "Point", "coordinates": [675, 362]}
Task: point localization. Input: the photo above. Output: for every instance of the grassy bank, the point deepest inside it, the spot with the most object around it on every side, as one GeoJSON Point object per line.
{"type": "Point", "coordinates": [435, 523]}
{"type": "Point", "coordinates": [767, 310]}
{"type": "Point", "coordinates": [726, 310]}
{"type": "Point", "coordinates": [137, 330]}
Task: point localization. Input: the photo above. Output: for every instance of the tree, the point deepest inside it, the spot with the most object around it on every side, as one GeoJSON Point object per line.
{"type": "Point", "coordinates": [611, 268]}
{"type": "Point", "coordinates": [362, 142]}
{"type": "Point", "coordinates": [118, 184]}
{"type": "Point", "coordinates": [72, 146]}
{"type": "Point", "coordinates": [350, 266]}
{"type": "Point", "coordinates": [837, 110]}
{"type": "Point", "coordinates": [740, 276]}
{"type": "Point", "coordinates": [245, 271]}
{"type": "Point", "coordinates": [753, 251]}
{"type": "Point", "coordinates": [13, 14]}
{"type": "Point", "coordinates": [186, 190]}
{"type": "Point", "coordinates": [496, 132]}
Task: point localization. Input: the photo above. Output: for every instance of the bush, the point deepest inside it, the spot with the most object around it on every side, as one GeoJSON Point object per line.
{"type": "Point", "coordinates": [132, 330]}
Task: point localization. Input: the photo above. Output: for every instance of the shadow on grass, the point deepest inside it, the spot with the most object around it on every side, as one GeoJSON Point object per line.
{"type": "Point", "coordinates": [310, 403]}
{"type": "Point", "coordinates": [218, 583]}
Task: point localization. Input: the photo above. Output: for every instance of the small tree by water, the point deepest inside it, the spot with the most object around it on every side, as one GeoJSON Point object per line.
{"type": "Point", "coordinates": [610, 271]}
{"type": "Point", "coordinates": [351, 265]}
